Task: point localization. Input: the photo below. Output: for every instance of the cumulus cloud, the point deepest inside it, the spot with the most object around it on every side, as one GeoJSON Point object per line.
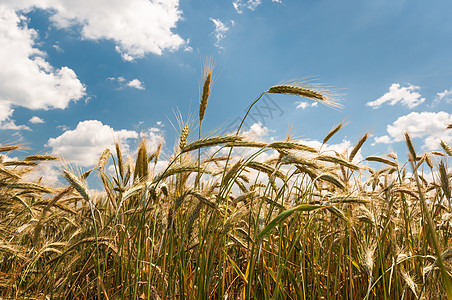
{"type": "Point", "coordinates": [84, 145]}
{"type": "Point", "coordinates": [138, 27]}
{"type": "Point", "coordinates": [136, 84]}
{"type": "Point", "coordinates": [304, 105]}
{"type": "Point", "coordinates": [220, 31]}
{"type": "Point", "coordinates": [405, 95]}
{"type": "Point", "coordinates": [428, 126]}
{"type": "Point", "coordinates": [257, 132]}
{"type": "Point", "coordinates": [26, 78]}
{"type": "Point", "coordinates": [36, 120]}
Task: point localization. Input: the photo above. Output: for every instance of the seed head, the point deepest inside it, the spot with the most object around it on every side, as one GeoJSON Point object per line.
{"type": "Point", "coordinates": [446, 147]}
{"type": "Point", "coordinates": [207, 85]}
{"type": "Point", "coordinates": [293, 89]}
{"type": "Point", "coordinates": [183, 136]}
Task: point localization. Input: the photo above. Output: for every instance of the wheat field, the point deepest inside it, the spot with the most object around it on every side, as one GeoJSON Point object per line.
{"type": "Point", "coordinates": [228, 217]}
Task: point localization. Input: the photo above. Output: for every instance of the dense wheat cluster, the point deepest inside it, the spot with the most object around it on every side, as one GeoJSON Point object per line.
{"type": "Point", "coordinates": [231, 218]}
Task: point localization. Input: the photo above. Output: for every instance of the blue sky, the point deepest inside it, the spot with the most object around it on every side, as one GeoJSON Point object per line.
{"type": "Point", "coordinates": [76, 75]}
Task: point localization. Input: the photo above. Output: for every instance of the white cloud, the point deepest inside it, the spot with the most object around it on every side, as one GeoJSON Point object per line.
{"type": "Point", "coordinates": [257, 132]}
{"type": "Point", "coordinates": [136, 84]}
{"type": "Point", "coordinates": [385, 139]}
{"type": "Point", "coordinates": [446, 96]}
{"type": "Point", "coordinates": [154, 137]}
{"type": "Point", "coordinates": [36, 120]}
{"type": "Point", "coordinates": [5, 111]}
{"type": "Point", "coordinates": [63, 127]}
{"type": "Point", "coordinates": [5, 118]}
{"type": "Point", "coordinates": [239, 5]}
{"type": "Point", "coordinates": [187, 47]}
{"type": "Point", "coordinates": [405, 95]}
{"type": "Point", "coordinates": [11, 125]}
{"type": "Point", "coordinates": [219, 32]}
{"type": "Point", "coordinates": [304, 105]}
{"type": "Point", "coordinates": [26, 78]}
{"type": "Point", "coordinates": [84, 145]}
{"type": "Point", "coordinates": [429, 126]}
{"type": "Point", "coordinates": [57, 47]}
{"type": "Point", "coordinates": [138, 27]}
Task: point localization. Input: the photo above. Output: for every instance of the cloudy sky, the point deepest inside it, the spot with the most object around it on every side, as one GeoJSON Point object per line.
{"type": "Point", "coordinates": [77, 75]}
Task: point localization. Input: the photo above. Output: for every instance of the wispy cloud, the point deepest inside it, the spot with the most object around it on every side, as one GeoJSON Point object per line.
{"type": "Point", "coordinates": [134, 83]}
{"type": "Point", "coordinates": [239, 5]}
{"type": "Point", "coordinates": [397, 94]}
{"type": "Point", "coordinates": [428, 126]}
{"type": "Point", "coordinates": [219, 31]}
{"type": "Point", "coordinates": [445, 96]}
{"type": "Point", "coordinates": [57, 47]}
{"type": "Point", "coordinates": [304, 105]}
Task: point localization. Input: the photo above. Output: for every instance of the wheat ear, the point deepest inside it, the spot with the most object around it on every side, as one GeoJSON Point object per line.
{"type": "Point", "coordinates": [206, 87]}
{"type": "Point", "coordinates": [296, 90]}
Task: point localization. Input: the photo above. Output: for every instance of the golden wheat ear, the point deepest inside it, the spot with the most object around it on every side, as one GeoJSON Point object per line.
{"type": "Point", "coordinates": [446, 147]}
{"type": "Point", "coordinates": [206, 87]}
{"type": "Point", "coordinates": [141, 163]}
{"type": "Point", "coordinates": [358, 146]}
{"type": "Point", "coordinates": [333, 132]}
{"type": "Point", "coordinates": [183, 136]}
{"type": "Point", "coordinates": [78, 184]}
{"type": "Point", "coordinates": [295, 89]}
